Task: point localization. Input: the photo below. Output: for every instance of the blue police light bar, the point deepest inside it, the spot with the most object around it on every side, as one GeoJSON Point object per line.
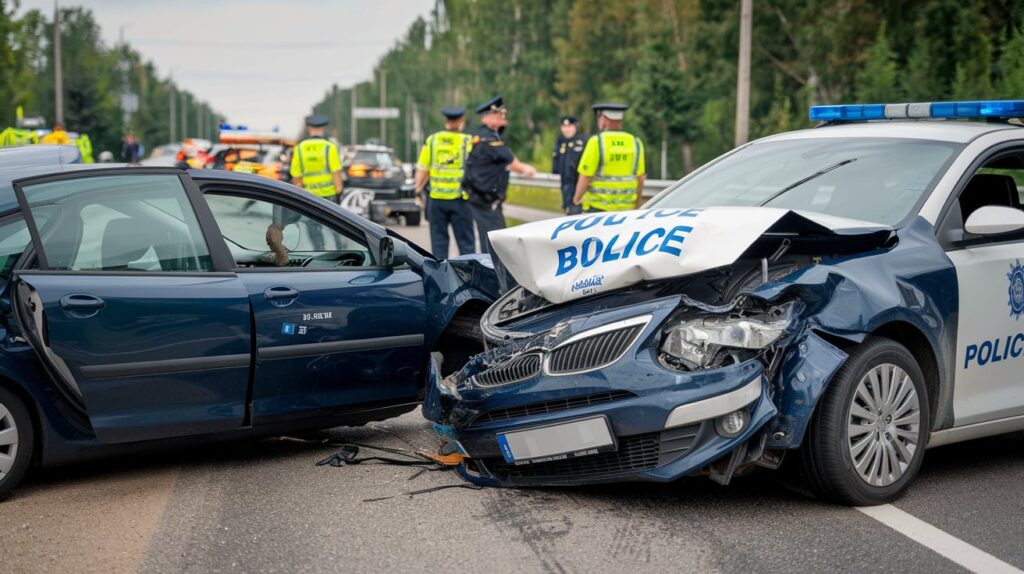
{"type": "Point", "coordinates": [959, 110]}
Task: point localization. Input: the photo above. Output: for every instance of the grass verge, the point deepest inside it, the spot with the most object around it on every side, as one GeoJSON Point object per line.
{"type": "Point", "coordinates": [535, 197]}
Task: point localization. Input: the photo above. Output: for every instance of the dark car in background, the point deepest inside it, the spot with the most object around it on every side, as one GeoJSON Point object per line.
{"type": "Point", "coordinates": [152, 307]}
{"type": "Point", "coordinates": [376, 186]}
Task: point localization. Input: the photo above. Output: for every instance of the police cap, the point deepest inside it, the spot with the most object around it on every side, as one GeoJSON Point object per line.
{"type": "Point", "coordinates": [453, 112]}
{"type": "Point", "coordinates": [569, 120]}
{"type": "Point", "coordinates": [611, 110]}
{"type": "Point", "coordinates": [317, 120]}
{"type": "Point", "coordinates": [492, 105]}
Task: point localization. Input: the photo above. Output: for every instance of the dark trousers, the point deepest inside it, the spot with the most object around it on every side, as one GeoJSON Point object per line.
{"type": "Point", "coordinates": [454, 212]}
{"type": "Point", "coordinates": [487, 220]}
{"type": "Point", "coordinates": [568, 191]}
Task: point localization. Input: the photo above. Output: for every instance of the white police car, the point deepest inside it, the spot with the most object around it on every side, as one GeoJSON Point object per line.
{"type": "Point", "coordinates": [852, 292]}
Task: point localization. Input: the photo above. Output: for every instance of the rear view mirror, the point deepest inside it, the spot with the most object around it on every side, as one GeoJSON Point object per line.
{"type": "Point", "coordinates": [994, 219]}
{"type": "Point", "coordinates": [393, 252]}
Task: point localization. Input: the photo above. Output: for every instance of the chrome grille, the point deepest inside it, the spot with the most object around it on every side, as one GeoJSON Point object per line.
{"type": "Point", "coordinates": [518, 369]}
{"type": "Point", "coordinates": [552, 406]}
{"type": "Point", "coordinates": [592, 352]}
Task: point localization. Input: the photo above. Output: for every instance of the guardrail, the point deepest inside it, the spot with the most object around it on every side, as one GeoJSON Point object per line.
{"type": "Point", "coordinates": [551, 181]}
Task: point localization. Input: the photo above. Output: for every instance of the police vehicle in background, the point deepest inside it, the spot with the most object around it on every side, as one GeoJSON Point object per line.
{"type": "Point", "coordinates": [152, 307]}
{"type": "Point", "coordinates": [844, 297]}
{"type": "Point", "coordinates": [377, 186]}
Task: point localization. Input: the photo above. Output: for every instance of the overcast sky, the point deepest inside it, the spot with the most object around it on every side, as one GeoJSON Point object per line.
{"type": "Point", "coordinates": [259, 62]}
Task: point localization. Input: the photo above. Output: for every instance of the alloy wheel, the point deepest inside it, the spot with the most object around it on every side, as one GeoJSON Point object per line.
{"type": "Point", "coordinates": [884, 426]}
{"type": "Point", "coordinates": [8, 441]}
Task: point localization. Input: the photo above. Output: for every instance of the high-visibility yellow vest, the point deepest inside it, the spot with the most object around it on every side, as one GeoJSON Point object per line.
{"type": "Point", "coordinates": [84, 145]}
{"type": "Point", "coordinates": [315, 160]}
{"type": "Point", "coordinates": [448, 152]}
{"type": "Point", "coordinates": [14, 136]}
{"type": "Point", "coordinates": [614, 186]}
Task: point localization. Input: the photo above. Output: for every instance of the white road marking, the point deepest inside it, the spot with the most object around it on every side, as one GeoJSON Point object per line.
{"type": "Point", "coordinates": [947, 545]}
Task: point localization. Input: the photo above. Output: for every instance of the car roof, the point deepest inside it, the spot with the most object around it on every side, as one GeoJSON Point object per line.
{"type": "Point", "coordinates": [936, 130]}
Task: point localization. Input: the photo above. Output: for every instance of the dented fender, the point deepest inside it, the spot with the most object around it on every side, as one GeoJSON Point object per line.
{"type": "Point", "coordinates": [807, 367]}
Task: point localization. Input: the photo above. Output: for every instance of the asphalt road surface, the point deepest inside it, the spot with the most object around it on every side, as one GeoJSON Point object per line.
{"type": "Point", "coordinates": [265, 507]}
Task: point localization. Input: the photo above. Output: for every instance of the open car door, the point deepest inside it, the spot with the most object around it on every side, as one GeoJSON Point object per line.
{"type": "Point", "coordinates": [131, 307]}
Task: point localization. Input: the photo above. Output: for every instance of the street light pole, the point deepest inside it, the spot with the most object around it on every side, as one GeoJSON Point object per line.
{"type": "Point", "coordinates": [743, 75]}
{"type": "Point", "coordinates": [383, 102]}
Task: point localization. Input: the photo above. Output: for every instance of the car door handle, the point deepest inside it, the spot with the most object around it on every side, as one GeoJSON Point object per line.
{"type": "Point", "coordinates": [81, 306]}
{"type": "Point", "coordinates": [78, 302]}
{"type": "Point", "coordinates": [280, 295]}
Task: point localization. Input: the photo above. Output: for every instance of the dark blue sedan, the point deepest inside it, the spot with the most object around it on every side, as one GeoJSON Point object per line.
{"type": "Point", "coordinates": [152, 307]}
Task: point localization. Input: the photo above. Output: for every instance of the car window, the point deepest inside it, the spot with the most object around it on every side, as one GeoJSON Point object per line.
{"type": "Point", "coordinates": [14, 239]}
{"type": "Point", "coordinates": [262, 233]}
{"type": "Point", "coordinates": [118, 223]}
{"type": "Point", "coordinates": [878, 180]}
{"type": "Point", "coordinates": [373, 158]}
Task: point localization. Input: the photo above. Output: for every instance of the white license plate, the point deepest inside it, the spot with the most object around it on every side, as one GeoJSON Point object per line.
{"type": "Point", "coordinates": [565, 440]}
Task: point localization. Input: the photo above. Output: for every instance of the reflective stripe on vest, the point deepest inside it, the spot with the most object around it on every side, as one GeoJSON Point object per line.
{"type": "Point", "coordinates": [614, 186]}
{"type": "Point", "coordinates": [314, 162]}
{"type": "Point", "coordinates": [447, 164]}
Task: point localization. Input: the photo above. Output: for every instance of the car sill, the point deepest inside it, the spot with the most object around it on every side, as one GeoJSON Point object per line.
{"type": "Point", "coordinates": [976, 430]}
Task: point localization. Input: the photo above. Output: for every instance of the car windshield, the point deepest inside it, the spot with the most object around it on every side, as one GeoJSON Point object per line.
{"type": "Point", "coordinates": [878, 180]}
{"type": "Point", "coordinates": [373, 158]}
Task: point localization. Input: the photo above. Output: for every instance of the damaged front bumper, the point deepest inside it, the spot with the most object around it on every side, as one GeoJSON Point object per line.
{"type": "Point", "coordinates": [663, 423]}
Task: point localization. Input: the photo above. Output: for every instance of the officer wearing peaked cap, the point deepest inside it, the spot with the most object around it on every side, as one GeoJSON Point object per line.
{"type": "Point", "coordinates": [612, 169]}
{"type": "Point", "coordinates": [442, 162]}
{"type": "Point", "coordinates": [316, 166]}
{"type": "Point", "coordinates": [566, 159]}
{"type": "Point", "coordinates": [487, 170]}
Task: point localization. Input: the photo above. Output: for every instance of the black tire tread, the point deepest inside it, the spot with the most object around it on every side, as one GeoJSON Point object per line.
{"type": "Point", "coordinates": [823, 465]}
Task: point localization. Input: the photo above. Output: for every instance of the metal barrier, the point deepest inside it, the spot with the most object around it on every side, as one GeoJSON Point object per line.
{"type": "Point", "coordinates": [551, 181]}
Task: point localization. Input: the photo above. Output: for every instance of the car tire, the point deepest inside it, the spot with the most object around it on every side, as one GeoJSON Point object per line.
{"type": "Point", "coordinates": [16, 455]}
{"type": "Point", "coordinates": [412, 218]}
{"type": "Point", "coordinates": [866, 441]}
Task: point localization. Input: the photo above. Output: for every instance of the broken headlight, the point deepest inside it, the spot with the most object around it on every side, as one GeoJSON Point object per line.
{"type": "Point", "coordinates": [704, 341]}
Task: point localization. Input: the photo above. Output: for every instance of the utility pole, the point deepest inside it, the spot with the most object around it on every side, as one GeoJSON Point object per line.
{"type": "Point", "coordinates": [173, 127]}
{"type": "Point", "coordinates": [383, 102]}
{"type": "Point", "coordinates": [354, 90]}
{"type": "Point", "coordinates": [743, 75]}
{"type": "Point", "coordinates": [58, 75]}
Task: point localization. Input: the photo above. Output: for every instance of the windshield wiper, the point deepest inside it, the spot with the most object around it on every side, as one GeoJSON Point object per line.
{"type": "Point", "coordinates": [798, 183]}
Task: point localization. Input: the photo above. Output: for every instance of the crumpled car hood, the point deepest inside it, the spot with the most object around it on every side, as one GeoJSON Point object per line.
{"type": "Point", "coordinates": [574, 257]}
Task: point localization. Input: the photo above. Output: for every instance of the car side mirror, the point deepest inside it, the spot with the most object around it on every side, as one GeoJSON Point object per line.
{"type": "Point", "coordinates": [994, 219]}
{"type": "Point", "coordinates": [393, 253]}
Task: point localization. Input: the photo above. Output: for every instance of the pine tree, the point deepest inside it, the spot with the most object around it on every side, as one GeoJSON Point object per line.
{"type": "Point", "coordinates": [1011, 68]}
{"type": "Point", "coordinates": [877, 81]}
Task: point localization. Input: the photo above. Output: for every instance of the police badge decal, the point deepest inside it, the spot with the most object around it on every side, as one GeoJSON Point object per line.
{"type": "Point", "coordinates": [1016, 277]}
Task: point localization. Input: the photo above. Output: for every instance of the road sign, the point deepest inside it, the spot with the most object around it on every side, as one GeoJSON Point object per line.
{"type": "Point", "coordinates": [376, 113]}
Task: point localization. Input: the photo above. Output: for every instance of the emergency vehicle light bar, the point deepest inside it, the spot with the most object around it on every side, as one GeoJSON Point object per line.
{"type": "Point", "coordinates": [961, 110]}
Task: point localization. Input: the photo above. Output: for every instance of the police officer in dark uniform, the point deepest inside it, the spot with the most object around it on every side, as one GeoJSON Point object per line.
{"type": "Point", "coordinates": [487, 170]}
{"type": "Point", "coordinates": [565, 160]}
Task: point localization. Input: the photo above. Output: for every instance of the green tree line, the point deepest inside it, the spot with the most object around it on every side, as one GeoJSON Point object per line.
{"type": "Point", "coordinates": [94, 77]}
{"type": "Point", "coordinates": [674, 61]}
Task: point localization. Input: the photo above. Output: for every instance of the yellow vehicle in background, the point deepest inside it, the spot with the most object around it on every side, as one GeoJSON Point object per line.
{"type": "Point", "coordinates": [249, 151]}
